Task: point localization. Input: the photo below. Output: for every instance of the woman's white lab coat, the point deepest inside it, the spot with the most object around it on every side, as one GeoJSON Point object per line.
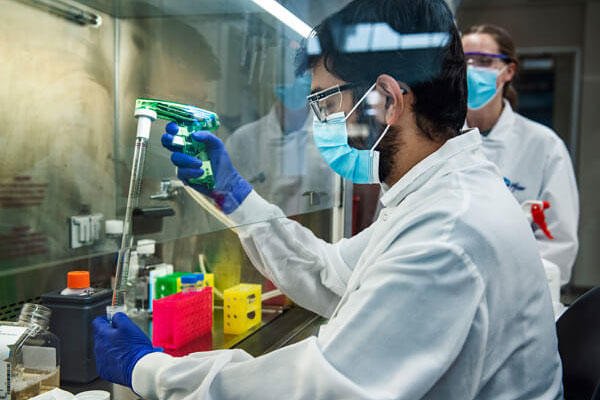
{"type": "Point", "coordinates": [438, 299]}
{"type": "Point", "coordinates": [536, 162]}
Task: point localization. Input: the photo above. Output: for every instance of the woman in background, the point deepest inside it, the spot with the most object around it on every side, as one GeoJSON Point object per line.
{"type": "Point", "coordinates": [532, 158]}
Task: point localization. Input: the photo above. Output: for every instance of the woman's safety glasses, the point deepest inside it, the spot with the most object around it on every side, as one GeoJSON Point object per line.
{"type": "Point", "coordinates": [485, 60]}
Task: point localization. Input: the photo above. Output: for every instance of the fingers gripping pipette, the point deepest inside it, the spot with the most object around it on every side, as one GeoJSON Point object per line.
{"type": "Point", "coordinates": [189, 119]}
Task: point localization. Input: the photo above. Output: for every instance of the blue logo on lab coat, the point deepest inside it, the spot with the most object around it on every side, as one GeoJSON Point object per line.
{"type": "Point", "coordinates": [513, 186]}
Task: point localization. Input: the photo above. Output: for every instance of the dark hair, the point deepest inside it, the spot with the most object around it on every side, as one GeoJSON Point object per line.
{"type": "Point", "coordinates": [506, 46]}
{"type": "Point", "coordinates": [436, 75]}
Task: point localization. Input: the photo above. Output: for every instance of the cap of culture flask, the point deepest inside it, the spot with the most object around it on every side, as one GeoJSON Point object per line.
{"type": "Point", "coordinates": [78, 279]}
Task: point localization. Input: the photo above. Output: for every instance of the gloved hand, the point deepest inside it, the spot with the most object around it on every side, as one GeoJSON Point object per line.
{"type": "Point", "coordinates": [119, 347]}
{"type": "Point", "coordinates": [230, 188]}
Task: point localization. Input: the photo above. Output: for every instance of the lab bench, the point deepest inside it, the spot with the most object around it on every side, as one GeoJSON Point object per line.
{"type": "Point", "coordinates": [279, 327]}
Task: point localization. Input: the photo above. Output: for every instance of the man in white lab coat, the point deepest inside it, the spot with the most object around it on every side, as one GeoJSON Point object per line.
{"type": "Point", "coordinates": [438, 299]}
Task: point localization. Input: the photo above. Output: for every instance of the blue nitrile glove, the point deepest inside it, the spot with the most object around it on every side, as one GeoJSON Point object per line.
{"type": "Point", "coordinates": [119, 347]}
{"type": "Point", "coordinates": [230, 188]}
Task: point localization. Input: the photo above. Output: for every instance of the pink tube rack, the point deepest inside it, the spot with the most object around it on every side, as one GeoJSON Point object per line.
{"type": "Point", "coordinates": [181, 318]}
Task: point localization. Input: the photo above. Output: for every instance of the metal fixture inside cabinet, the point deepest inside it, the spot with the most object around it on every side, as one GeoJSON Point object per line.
{"type": "Point", "coordinates": [314, 198]}
{"type": "Point", "coordinates": [85, 229]}
{"type": "Point", "coordinates": [67, 11]}
{"type": "Point", "coordinates": [168, 189]}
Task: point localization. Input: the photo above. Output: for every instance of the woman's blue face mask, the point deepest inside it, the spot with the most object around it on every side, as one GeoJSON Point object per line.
{"type": "Point", "coordinates": [481, 86]}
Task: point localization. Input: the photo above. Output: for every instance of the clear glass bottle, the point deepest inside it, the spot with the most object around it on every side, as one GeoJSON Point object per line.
{"type": "Point", "coordinates": [34, 355]}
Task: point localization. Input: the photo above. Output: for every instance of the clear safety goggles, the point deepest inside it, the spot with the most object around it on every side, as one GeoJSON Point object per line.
{"type": "Point", "coordinates": [328, 101]}
{"type": "Point", "coordinates": [485, 60]}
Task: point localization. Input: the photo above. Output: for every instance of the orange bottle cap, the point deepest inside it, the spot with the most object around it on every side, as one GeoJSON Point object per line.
{"type": "Point", "coordinates": [78, 279]}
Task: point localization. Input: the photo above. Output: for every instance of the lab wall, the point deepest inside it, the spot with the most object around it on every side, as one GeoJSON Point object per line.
{"type": "Point", "coordinates": [563, 25]}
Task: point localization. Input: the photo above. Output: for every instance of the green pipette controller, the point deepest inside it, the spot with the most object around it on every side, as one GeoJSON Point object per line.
{"type": "Point", "coordinates": [190, 119]}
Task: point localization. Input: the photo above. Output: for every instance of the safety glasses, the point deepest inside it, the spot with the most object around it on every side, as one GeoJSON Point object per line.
{"type": "Point", "coordinates": [328, 101]}
{"type": "Point", "coordinates": [486, 60]}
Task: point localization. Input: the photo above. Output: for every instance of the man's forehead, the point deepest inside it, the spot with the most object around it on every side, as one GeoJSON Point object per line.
{"type": "Point", "coordinates": [322, 78]}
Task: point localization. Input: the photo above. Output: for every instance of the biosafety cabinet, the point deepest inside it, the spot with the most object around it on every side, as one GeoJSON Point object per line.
{"type": "Point", "coordinates": [70, 74]}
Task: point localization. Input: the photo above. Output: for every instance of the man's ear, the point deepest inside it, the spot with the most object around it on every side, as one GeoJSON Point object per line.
{"type": "Point", "coordinates": [395, 102]}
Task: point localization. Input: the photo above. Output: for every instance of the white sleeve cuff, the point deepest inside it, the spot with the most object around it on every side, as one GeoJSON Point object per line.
{"type": "Point", "coordinates": [144, 377]}
{"type": "Point", "coordinates": [255, 209]}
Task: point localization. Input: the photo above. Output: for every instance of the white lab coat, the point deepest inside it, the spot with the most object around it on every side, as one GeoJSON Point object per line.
{"type": "Point", "coordinates": [438, 299]}
{"type": "Point", "coordinates": [537, 163]}
{"type": "Point", "coordinates": [283, 168]}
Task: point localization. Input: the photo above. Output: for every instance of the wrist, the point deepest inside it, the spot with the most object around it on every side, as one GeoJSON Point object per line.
{"type": "Point", "coordinates": [145, 379]}
{"type": "Point", "coordinates": [229, 201]}
{"type": "Point", "coordinates": [136, 358]}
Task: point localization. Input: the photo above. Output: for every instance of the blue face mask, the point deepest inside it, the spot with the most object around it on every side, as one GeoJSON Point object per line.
{"type": "Point", "coordinates": [293, 96]}
{"type": "Point", "coordinates": [331, 138]}
{"type": "Point", "coordinates": [481, 86]}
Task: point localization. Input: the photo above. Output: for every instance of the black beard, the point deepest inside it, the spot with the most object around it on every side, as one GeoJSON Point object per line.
{"type": "Point", "coordinates": [387, 148]}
